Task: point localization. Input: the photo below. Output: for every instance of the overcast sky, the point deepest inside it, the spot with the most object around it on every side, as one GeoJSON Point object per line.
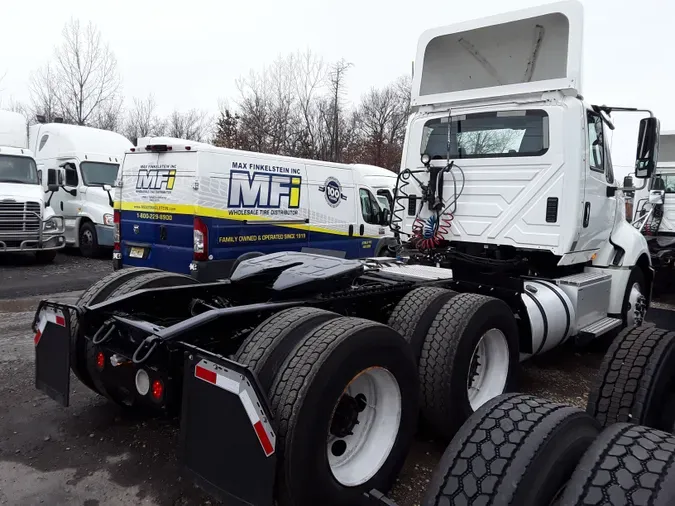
{"type": "Point", "coordinates": [189, 53]}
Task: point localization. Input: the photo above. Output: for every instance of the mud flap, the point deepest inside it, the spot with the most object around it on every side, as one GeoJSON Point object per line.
{"type": "Point", "coordinates": [227, 440]}
{"type": "Point", "coordinates": [52, 352]}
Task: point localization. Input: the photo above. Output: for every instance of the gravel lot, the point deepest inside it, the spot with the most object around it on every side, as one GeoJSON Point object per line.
{"type": "Point", "coordinates": [94, 454]}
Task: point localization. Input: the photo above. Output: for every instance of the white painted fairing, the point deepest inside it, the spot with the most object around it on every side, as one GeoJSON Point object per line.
{"type": "Point", "coordinates": [521, 52]}
{"type": "Point", "coordinates": [13, 127]}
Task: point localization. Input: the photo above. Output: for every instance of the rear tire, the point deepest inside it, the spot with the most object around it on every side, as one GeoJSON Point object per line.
{"type": "Point", "coordinates": [469, 356]}
{"type": "Point", "coordinates": [345, 370]}
{"type": "Point", "coordinates": [144, 281]}
{"type": "Point", "coordinates": [626, 465]}
{"type": "Point", "coordinates": [636, 380]}
{"type": "Point", "coordinates": [516, 450]}
{"type": "Point", "coordinates": [45, 256]}
{"type": "Point", "coordinates": [88, 240]}
{"type": "Point", "coordinates": [266, 348]}
{"type": "Point", "coordinates": [98, 292]}
{"type": "Point", "coordinates": [414, 314]}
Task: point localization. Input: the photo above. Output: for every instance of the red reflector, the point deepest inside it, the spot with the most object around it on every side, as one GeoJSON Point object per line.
{"type": "Point", "coordinates": [100, 360]}
{"type": "Point", "coordinates": [264, 438]}
{"type": "Point", "coordinates": [37, 337]}
{"type": "Point", "coordinates": [132, 149]}
{"type": "Point", "coordinates": [205, 374]}
{"type": "Point", "coordinates": [60, 320]}
{"type": "Point", "coordinates": [157, 389]}
{"type": "Point", "coordinates": [188, 148]}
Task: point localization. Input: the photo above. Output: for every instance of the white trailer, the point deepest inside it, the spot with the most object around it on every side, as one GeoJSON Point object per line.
{"type": "Point", "coordinates": [27, 221]}
{"type": "Point", "coordinates": [91, 159]}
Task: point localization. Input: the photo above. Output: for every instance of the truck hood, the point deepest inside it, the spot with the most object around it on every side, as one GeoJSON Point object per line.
{"type": "Point", "coordinates": [21, 192]}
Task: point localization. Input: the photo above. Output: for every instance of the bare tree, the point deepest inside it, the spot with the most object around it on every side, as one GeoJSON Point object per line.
{"type": "Point", "coordinates": [382, 118]}
{"type": "Point", "coordinates": [337, 85]}
{"type": "Point", "coordinates": [143, 121]}
{"type": "Point", "coordinates": [43, 94]}
{"type": "Point", "coordinates": [83, 83]}
{"type": "Point", "coordinates": [192, 125]}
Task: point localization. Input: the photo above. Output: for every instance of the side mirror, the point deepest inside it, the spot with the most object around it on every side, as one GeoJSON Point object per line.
{"type": "Point", "coordinates": [107, 187]}
{"type": "Point", "coordinates": [648, 148]}
{"type": "Point", "coordinates": [56, 178]}
{"type": "Point", "coordinates": [384, 217]}
{"type": "Point", "coordinates": [628, 182]}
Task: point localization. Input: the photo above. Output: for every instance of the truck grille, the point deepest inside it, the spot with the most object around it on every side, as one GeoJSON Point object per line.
{"type": "Point", "coordinates": [19, 217]}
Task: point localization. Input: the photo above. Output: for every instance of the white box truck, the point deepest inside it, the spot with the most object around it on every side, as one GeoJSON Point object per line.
{"type": "Point", "coordinates": [91, 159]}
{"type": "Point", "coordinates": [27, 221]}
{"type": "Point", "coordinates": [194, 208]}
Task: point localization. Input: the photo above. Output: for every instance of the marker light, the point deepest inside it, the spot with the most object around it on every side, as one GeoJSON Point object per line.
{"type": "Point", "coordinates": [425, 158]}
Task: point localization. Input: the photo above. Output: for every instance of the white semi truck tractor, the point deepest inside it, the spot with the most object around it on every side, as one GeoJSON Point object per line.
{"type": "Point", "coordinates": [28, 224]}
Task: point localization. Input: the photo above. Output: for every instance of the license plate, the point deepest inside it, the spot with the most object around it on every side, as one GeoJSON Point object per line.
{"type": "Point", "coordinates": [136, 252]}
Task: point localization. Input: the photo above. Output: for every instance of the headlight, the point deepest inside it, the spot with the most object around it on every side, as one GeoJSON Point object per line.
{"type": "Point", "coordinates": [108, 219]}
{"type": "Point", "coordinates": [53, 224]}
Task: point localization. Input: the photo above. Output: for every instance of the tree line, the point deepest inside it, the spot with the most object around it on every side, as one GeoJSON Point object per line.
{"type": "Point", "coordinates": [295, 106]}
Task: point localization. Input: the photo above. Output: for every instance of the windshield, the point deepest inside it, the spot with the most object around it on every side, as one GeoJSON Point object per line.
{"type": "Point", "coordinates": [18, 169]}
{"type": "Point", "coordinates": [487, 135]}
{"type": "Point", "coordinates": [667, 182]}
{"type": "Point", "coordinates": [98, 173]}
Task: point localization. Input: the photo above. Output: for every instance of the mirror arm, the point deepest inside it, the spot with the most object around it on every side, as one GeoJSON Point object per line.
{"type": "Point", "coordinates": [633, 188]}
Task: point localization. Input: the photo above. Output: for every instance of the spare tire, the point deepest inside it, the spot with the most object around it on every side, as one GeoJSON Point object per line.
{"type": "Point", "coordinates": [345, 406]}
{"type": "Point", "coordinates": [626, 465]}
{"type": "Point", "coordinates": [266, 348]}
{"type": "Point", "coordinates": [415, 312]}
{"type": "Point", "coordinates": [636, 380]}
{"type": "Point", "coordinates": [144, 281]}
{"type": "Point", "coordinates": [470, 355]}
{"type": "Point", "coordinates": [98, 292]}
{"type": "Point", "coordinates": [516, 450]}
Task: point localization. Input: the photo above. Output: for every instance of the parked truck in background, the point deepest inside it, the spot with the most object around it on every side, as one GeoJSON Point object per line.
{"type": "Point", "coordinates": [91, 159]}
{"type": "Point", "coordinates": [198, 209]}
{"type": "Point", "coordinates": [28, 224]}
{"type": "Point", "coordinates": [652, 209]}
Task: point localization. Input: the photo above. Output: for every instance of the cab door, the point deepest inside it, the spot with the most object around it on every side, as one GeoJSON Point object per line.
{"type": "Point", "coordinates": [599, 207]}
{"type": "Point", "coordinates": [67, 200]}
{"type": "Point", "coordinates": [370, 227]}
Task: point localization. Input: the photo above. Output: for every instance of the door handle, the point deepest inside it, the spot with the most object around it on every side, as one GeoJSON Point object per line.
{"type": "Point", "coordinates": [587, 214]}
{"type": "Point", "coordinates": [162, 232]}
{"type": "Point", "coordinates": [61, 206]}
{"type": "Point", "coordinates": [361, 229]}
{"type": "Point", "coordinates": [351, 230]}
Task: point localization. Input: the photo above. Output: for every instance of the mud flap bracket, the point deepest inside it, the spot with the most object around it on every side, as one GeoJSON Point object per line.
{"type": "Point", "coordinates": [228, 445]}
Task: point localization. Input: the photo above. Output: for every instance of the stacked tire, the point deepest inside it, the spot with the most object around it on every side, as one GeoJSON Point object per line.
{"type": "Point", "coordinates": [519, 450]}
{"type": "Point", "coordinates": [466, 347]}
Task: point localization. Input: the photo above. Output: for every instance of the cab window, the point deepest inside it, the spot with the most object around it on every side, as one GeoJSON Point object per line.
{"type": "Point", "coordinates": [71, 175]}
{"type": "Point", "coordinates": [369, 207]}
{"type": "Point", "coordinates": [598, 156]}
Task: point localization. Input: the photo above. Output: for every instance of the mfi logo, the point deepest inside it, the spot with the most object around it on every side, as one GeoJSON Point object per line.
{"type": "Point", "coordinates": [156, 179]}
{"type": "Point", "coordinates": [262, 190]}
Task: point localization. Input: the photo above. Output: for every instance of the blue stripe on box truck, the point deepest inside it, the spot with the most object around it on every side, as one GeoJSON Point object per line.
{"type": "Point", "coordinates": [227, 240]}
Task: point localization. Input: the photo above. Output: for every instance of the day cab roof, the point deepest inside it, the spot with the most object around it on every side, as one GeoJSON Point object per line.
{"type": "Point", "coordinates": [59, 140]}
{"type": "Point", "coordinates": [521, 52]}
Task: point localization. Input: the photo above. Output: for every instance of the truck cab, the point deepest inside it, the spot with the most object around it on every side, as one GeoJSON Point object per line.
{"type": "Point", "coordinates": [381, 180]}
{"type": "Point", "coordinates": [28, 224]}
{"type": "Point", "coordinates": [91, 160]}
{"type": "Point", "coordinates": [507, 170]}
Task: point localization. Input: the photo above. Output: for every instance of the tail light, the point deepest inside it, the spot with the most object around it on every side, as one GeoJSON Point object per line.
{"type": "Point", "coordinates": [116, 232]}
{"type": "Point", "coordinates": [200, 240]}
{"type": "Point", "coordinates": [157, 390]}
{"type": "Point", "coordinates": [100, 360]}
